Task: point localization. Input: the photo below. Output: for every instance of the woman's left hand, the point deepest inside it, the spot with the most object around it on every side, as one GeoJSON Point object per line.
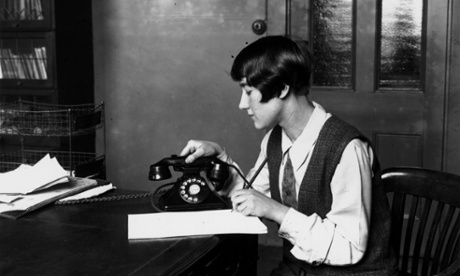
{"type": "Point", "coordinates": [250, 202]}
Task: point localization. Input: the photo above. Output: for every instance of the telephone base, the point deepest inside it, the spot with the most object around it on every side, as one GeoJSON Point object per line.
{"type": "Point", "coordinates": [170, 201]}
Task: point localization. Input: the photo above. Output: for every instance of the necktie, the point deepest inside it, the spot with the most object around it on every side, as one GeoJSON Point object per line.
{"type": "Point", "coordinates": [288, 185]}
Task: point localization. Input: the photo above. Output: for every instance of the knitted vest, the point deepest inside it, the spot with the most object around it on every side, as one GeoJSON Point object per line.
{"type": "Point", "coordinates": [315, 196]}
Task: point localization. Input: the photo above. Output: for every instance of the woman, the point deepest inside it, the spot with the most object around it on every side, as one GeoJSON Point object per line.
{"type": "Point", "coordinates": [321, 179]}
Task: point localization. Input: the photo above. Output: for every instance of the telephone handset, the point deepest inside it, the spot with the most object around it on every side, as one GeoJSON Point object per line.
{"type": "Point", "coordinates": [191, 191]}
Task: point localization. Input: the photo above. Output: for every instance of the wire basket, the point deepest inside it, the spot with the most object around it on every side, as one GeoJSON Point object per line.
{"type": "Point", "coordinates": [38, 119]}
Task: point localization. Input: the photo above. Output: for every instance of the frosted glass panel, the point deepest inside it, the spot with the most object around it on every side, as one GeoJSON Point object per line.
{"type": "Point", "coordinates": [332, 42]}
{"type": "Point", "coordinates": [401, 42]}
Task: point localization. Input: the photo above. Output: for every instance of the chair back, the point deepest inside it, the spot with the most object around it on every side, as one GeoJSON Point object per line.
{"type": "Point", "coordinates": [425, 206]}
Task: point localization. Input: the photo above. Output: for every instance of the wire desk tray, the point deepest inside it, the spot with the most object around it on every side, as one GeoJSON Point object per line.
{"type": "Point", "coordinates": [38, 119]}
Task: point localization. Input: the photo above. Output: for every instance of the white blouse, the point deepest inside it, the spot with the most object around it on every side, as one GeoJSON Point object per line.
{"type": "Point", "coordinates": [341, 238]}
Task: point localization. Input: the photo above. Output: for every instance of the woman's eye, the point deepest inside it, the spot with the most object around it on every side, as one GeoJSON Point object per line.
{"type": "Point", "coordinates": [248, 92]}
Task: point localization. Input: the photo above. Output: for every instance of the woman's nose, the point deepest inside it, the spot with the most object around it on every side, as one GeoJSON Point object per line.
{"type": "Point", "coordinates": [243, 101]}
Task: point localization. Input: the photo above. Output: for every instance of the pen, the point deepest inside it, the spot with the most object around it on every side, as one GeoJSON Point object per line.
{"type": "Point", "coordinates": [249, 185]}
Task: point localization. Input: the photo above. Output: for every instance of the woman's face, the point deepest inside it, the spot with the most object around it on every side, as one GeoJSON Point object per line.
{"type": "Point", "coordinates": [265, 115]}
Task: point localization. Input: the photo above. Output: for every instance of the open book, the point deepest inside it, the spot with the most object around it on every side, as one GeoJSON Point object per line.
{"type": "Point", "coordinates": [178, 224]}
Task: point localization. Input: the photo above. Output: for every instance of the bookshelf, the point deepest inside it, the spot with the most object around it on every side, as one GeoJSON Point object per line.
{"type": "Point", "coordinates": [28, 64]}
{"type": "Point", "coordinates": [46, 57]}
{"type": "Point", "coordinates": [46, 52]}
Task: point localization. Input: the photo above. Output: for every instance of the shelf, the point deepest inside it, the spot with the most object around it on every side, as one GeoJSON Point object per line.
{"type": "Point", "coordinates": [36, 119]}
{"type": "Point", "coordinates": [46, 45]}
{"type": "Point", "coordinates": [25, 60]}
{"type": "Point", "coordinates": [16, 14]}
{"type": "Point", "coordinates": [31, 65]}
{"type": "Point", "coordinates": [47, 85]}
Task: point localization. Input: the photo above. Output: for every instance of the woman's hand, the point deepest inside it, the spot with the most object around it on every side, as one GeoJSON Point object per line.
{"type": "Point", "coordinates": [250, 202]}
{"type": "Point", "coordinates": [196, 148]}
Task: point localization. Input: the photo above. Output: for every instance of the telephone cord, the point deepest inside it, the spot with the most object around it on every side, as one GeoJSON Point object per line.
{"type": "Point", "coordinates": [112, 198]}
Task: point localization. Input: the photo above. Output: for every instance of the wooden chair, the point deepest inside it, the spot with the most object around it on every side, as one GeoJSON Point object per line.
{"type": "Point", "coordinates": [425, 207]}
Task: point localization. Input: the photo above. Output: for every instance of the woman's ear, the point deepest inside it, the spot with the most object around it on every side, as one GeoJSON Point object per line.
{"type": "Point", "coordinates": [284, 92]}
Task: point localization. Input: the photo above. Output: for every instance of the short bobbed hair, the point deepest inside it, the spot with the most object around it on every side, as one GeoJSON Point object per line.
{"type": "Point", "coordinates": [272, 62]}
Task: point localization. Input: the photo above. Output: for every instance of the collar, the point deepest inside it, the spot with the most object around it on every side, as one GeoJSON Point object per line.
{"type": "Point", "coordinates": [300, 149]}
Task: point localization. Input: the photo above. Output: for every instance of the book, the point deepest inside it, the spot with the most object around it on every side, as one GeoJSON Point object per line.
{"type": "Point", "coordinates": [192, 223]}
{"type": "Point", "coordinates": [41, 62]}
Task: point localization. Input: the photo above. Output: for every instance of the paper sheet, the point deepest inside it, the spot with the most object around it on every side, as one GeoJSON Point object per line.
{"type": "Point", "coordinates": [176, 224]}
{"type": "Point", "coordinates": [34, 200]}
{"type": "Point", "coordinates": [76, 188]}
{"type": "Point", "coordinates": [90, 193]}
{"type": "Point", "coordinates": [26, 179]}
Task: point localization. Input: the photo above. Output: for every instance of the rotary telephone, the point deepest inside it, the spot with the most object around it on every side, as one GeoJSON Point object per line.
{"type": "Point", "coordinates": [191, 191]}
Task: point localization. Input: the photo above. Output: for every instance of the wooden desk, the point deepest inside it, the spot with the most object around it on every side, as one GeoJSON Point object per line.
{"type": "Point", "coordinates": [92, 239]}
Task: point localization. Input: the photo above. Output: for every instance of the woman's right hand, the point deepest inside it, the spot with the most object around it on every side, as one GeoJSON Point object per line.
{"type": "Point", "coordinates": [196, 148]}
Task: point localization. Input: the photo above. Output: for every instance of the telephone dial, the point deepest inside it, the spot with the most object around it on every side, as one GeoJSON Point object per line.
{"type": "Point", "coordinates": [191, 191]}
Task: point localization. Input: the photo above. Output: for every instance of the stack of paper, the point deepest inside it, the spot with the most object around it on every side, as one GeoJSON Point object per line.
{"type": "Point", "coordinates": [26, 179]}
{"type": "Point", "coordinates": [177, 224]}
{"type": "Point", "coordinates": [29, 188]}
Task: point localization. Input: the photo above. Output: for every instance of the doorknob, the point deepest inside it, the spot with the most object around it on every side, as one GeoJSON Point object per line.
{"type": "Point", "coordinates": [259, 26]}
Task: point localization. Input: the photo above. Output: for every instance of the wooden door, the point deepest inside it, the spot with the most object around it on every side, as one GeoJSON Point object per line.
{"type": "Point", "coordinates": [452, 121]}
{"type": "Point", "coordinates": [401, 109]}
